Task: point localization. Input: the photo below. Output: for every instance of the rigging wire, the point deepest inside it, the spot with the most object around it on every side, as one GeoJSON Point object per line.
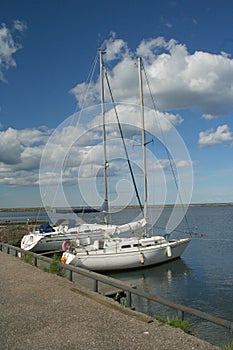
{"type": "Point", "coordinates": [122, 137]}
{"type": "Point", "coordinates": [88, 81]}
{"type": "Point", "coordinates": [167, 152]}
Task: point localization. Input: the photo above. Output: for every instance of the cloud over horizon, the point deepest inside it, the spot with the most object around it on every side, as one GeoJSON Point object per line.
{"type": "Point", "coordinates": [179, 80]}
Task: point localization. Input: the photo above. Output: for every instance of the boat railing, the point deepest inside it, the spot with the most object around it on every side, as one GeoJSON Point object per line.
{"type": "Point", "coordinates": [127, 288]}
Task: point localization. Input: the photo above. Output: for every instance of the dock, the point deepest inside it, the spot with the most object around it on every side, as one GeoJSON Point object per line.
{"type": "Point", "coordinates": [44, 311]}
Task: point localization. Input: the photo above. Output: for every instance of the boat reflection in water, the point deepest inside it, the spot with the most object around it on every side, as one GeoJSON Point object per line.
{"type": "Point", "coordinates": [169, 280]}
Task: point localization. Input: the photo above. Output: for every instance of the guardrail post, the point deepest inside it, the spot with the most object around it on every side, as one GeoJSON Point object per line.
{"type": "Point", "coordinates": [181, 315]}
{"type": "Point", "coordinates": [128, 299]}
{"type": "Point", "coordinates": [8, 250]}
{"type": "Point", "coordinates": [95, 286]}
{"type": "Point", "coordinates": [70, 275]}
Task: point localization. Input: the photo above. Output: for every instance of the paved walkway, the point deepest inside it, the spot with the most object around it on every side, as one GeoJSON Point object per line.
{"type": "Point", "coordinates": [44, 311]}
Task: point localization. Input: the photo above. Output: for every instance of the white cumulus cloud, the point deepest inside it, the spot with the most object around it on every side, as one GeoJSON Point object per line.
{"type": "Point", "coordinates": [211, 137]}
{"type": "Point", "coordinates": [178, 79]}
{"type": "Point", "coordinates": [20, 155]}
{"type": "Point", "coordinates": [9, 45]}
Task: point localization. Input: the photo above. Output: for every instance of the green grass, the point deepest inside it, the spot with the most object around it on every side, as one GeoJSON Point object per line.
{"type": "Point", "coordinates": [175, 322]}
{"type": "Point", "coordinates": [28, 258]}
{"type": "Point", "coordinates": [121, 298]}
{"type": "Point", "coordinates": [228, 346]}
{"type": "Point", "coordinates": [160, 319]}
{"type": "Point", "coordinates": [55, 266]}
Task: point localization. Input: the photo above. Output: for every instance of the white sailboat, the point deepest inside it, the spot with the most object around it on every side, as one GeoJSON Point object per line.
{"type": "Point", "coordinates": [119, 253]}
{"type": "Point", "coordinates": [46, 238]}
{"type": "Point", "coordinates": [52, 238]}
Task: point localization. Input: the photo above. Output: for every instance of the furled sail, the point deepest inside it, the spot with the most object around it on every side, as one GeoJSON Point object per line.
{"type": "Point", "coordinates": [133, 227]}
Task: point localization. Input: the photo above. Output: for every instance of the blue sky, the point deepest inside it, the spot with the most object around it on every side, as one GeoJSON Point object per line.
{"type": "Point", "coordinates": [46, 52]}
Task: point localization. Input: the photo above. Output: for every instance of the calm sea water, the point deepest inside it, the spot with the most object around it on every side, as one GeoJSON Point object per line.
{"type": "Point", "coordinates": [23, 216]}
{"type": "Point", "coordinates": [202, 278]}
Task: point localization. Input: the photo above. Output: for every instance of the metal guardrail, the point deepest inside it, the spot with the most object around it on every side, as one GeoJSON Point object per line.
{"type": "Point", "coordinates": [127, 288]}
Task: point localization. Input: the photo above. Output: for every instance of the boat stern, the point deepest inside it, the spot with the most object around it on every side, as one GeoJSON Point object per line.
{"type": "Point", "coordinates": [30, 241]}
{"type": "Point", "coordinates": [67, 258]}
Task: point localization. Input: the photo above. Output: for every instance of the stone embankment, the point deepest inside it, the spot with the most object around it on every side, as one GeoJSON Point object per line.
{"type": "Point", "coordinates": [13, 232]}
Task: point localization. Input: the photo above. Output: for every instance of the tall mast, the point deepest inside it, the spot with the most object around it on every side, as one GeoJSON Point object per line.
{"type": "Point", "coordinates": [143, 136]}
{"type": "Point", "coordinates": [105, 204]}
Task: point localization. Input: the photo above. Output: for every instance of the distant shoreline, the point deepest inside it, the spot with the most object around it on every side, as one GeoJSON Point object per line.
{"type": "Point", "coordinates": [130, 207]}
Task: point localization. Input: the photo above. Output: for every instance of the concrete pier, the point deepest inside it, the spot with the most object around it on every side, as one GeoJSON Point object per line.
{"type": "Point", "coordinates": [44, 311]}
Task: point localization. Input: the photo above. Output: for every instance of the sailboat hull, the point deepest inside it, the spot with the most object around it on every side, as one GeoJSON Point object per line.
{"type": "Point", "coordinates": [101, 260]}
{"type": "Point", "coordinates": [44, 243]}
{"type": "Point", "coordinates": [85, 234]}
